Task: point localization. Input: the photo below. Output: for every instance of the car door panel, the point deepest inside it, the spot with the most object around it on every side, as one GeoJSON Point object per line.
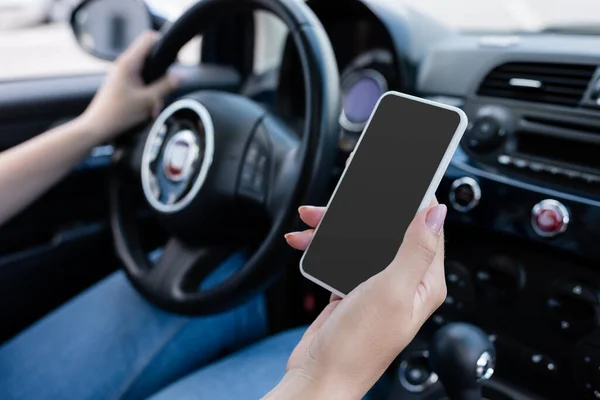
{"type": "Point", "coordinates": [62, 243]}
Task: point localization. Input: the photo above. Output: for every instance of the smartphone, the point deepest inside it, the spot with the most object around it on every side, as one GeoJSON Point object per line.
{"type": "Point", "coordinates": [394, 172]}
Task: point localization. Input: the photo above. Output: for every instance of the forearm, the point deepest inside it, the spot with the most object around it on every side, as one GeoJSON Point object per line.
{"type": "Point", "coordinates": [31, 168]}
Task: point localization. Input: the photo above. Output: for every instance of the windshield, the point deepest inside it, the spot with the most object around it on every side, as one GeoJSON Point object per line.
{"type": "Point", "coordinates": [510, 15]}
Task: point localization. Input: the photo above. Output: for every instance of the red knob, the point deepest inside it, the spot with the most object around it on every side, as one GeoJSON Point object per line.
{"type": "Point", "coordinates": [549, 218]}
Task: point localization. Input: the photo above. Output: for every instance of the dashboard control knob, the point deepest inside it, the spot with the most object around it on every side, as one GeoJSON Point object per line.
{"type": "Point", "coordinates": [549, 218]}
{"type": "Point", "coordinates": [485, 133]}
{"type": "Point", "coordinates": [414, 373]}
{"type": "Point", "coordinates": [465, 194]}
{"type": "Point", "coordinates": [574, 308]}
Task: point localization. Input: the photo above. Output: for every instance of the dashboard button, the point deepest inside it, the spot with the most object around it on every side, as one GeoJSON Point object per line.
{"type": "Point", "coordinates": [573, 308]}
{"type": "Point", "coordinates": [587, 370]}
{"type": "Point", "coordinates": [465, 194]}
{"type": "Point", "coordinates": [543, 364]}
{"type": "Point", "coordinates": [549, 218]}
{"type": "Point", "coordinates": [501, 279]}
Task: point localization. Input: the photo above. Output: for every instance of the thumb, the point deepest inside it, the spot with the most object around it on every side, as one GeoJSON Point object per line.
{"type": "Point", "coordinates": [419, 247]}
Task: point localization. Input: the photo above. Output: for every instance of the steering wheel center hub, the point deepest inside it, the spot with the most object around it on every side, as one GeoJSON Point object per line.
{"type": "Point", "coordinates": [177, 155]}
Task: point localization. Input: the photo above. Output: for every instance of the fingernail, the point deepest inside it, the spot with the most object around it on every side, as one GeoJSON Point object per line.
{"type": "Point", "coordinates": [435, 218]}
{"type": "Point", "coordinates": [287, 236]}
{"type": "Point", "coordinates": [304, 208]}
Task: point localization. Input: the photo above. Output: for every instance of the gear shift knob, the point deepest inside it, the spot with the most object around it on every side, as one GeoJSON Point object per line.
{"type": "Point", "coordinates": [463, 357]}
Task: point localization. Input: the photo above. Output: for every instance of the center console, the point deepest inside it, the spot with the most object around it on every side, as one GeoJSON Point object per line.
{"type": "Point", "coordinates": [523, 241]}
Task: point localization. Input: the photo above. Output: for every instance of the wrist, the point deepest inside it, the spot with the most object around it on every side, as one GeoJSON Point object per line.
{"type": "Point", "coordinates": [92, 128]}
{"type": "Point", "coordinates": [294, 385]}
{"type": "Point", "coordinates": [297, 384]}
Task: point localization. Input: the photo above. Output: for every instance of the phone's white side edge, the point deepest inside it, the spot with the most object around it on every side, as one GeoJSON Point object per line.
{"type": "Point", "coordinates": [435, 182]}
{"type": "Point", "coordinates": [447, 158]}
{"type": "Point", "coordinates": [317, 281]}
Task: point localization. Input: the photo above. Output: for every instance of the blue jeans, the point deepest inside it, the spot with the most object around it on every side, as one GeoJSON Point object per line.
{"type": "Point", "coordinates": [110, 343]}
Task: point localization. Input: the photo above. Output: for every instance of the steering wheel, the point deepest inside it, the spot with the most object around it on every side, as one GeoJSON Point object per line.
{"type": "Point", "coordinates": [221, 172]}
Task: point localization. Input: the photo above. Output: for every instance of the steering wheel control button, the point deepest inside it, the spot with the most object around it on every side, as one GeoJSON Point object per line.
{"type": "Point", "coordinates": [414, 373]}
{"type": "Point", "coordinates": [255, 169]}
{"type": "Point", "coordinates": [549, 218]}
{"type": "Point", "coordinates": [465, 194]}
{"type": "Point", "coordinates": [574, 308]}
{"type": "Point", "coordinates": [173, 173]}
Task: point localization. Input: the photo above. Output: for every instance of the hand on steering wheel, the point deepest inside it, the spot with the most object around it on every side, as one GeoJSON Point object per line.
{"type": "Point", "coordinates": [220, 172]}
{"type": "Point", "coordinates": [124, 99]}
{"type": "Point", "coordinates": [354, 340]}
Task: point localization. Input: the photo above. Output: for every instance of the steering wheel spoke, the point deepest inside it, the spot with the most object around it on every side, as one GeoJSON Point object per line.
{"type": "Point", "coordinates": [181, 268]}
{"type": "Point", "coordinates": [128, 152]}
{"type": "Point", "coordinates": [271, 166]}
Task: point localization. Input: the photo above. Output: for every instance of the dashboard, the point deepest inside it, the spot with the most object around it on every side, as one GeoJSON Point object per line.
{"type": "Point", "coordinates": [523, 189]}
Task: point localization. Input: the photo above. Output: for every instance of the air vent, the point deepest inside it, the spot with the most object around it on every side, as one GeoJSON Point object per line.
{"type": "Point", "coordinates": [552, 83]}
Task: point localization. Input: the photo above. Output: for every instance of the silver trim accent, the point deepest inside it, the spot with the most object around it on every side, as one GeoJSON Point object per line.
{"type": "Point", "coordinates": [522, 185]}
{"type": "Point", "coordinates": [209, 151]}
{"type": "Point", "coordinates": [528, 83]}
{"type": "Point", "coordinates": [485, 367]}
{"type": "Point", "coordinates": [432, 379]}
{"type": "Point", "coordinates": [472, 183]}
{"type": "Point", "coordinates": [503, 159]}
{"type": "Point", "coordinates": [351, 80]}
{"type": "Point", "coordinates": [562, 211]}
{"type": "Point", "coordinates": [448, 100]}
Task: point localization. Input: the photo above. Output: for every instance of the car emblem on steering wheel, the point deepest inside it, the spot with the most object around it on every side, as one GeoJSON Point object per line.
{"type": "Point", "coordinates": [181, 153]}
{"type": "Point", "coordinates": [173, 173]}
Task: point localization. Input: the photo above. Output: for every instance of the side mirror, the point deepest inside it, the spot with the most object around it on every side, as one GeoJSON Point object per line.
{"type": "Point", "coordinates": [105, 28]}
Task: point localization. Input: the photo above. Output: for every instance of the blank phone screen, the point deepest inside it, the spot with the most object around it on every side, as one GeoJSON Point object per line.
{"type": "Point", "coordinates": [380, 192]}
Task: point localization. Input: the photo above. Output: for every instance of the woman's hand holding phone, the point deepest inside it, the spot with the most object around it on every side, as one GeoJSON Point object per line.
{"type": "Point", "coordinates": [354, 340]}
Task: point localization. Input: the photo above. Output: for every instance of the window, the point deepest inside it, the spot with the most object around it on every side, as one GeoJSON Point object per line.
{"type": "Point", "coordinates": [36, 39]}
{"type": "Point", "coordinates": [42, 49]}
{"type": "Point", "coordinates": [270, 39]}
